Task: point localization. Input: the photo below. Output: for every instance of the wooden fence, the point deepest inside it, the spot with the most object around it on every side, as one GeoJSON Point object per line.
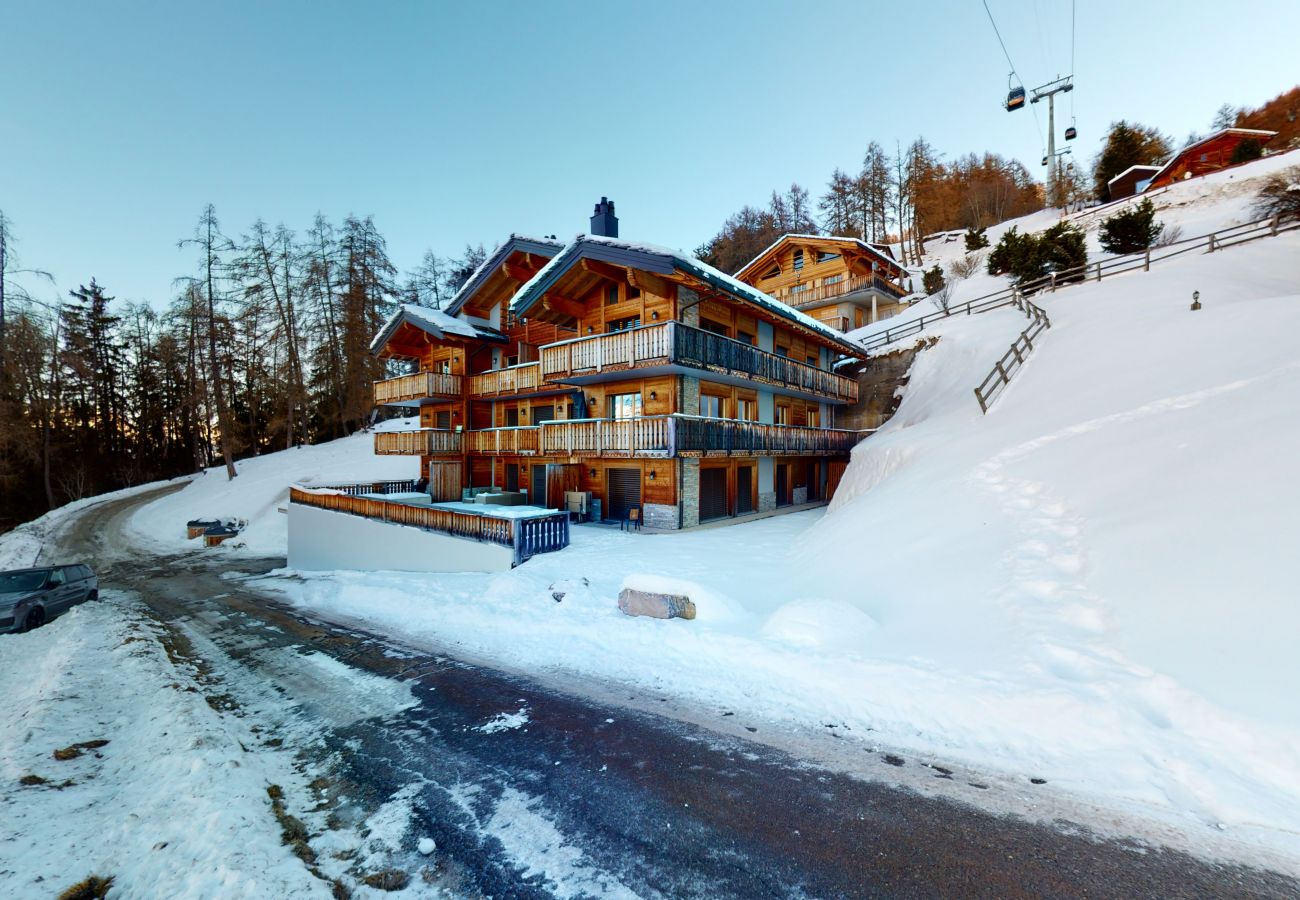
{"type": "Point", "coordinates": [1014, 358]}
{"type": "Point", "coordinates": [1093, 271]}
{"type": "Point", "coordinates": [527, 537]}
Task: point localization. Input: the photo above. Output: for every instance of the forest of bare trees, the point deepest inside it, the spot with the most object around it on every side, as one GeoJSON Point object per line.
{"type": "Point", "coordinates": [264, 346]}
{"type": "Point", "coordinates": [898, 198]}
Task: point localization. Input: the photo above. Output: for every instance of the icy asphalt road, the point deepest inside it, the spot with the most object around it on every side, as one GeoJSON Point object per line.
{"type": "Point", "coordinates": [585, 798]}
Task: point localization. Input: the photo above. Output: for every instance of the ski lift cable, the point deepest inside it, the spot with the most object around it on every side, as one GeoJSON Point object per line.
{"type": "Point", "coordinates": [1072, 26]}
{"type": "Point", "coordinates": [1038, 126]}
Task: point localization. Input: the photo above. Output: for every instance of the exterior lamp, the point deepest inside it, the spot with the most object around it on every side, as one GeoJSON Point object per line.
{"type": "Point", "coordinates": [654, 395]}
{"type": "Point", "coordinates": [588, 329]}
{"type": "Point", "coordinates": [652, 475]}
{"type": "Point", "coordinates": [1196, 300]}
{"type": "Point", "coordinates": [655, 315]}
{"type": "Point", "coordinates": [592, 472]}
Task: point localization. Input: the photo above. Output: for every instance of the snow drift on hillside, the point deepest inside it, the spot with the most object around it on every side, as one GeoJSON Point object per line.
{"type": "Point", "coordinates": [261, 489]}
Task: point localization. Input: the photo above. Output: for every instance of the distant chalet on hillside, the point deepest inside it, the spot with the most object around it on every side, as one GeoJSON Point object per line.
{"type": "Point", "coordinates": [1206, 155]}
{"type": "Point", "coordinates": [843, 282]}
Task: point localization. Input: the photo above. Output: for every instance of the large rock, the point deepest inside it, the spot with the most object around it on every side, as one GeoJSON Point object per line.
{"type": "Point", "coordinates": [660, 606]}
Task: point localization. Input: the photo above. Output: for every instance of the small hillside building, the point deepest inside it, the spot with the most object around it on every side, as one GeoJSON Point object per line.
{"type": "Point", "coordinates": [1207, 155]}
{"type": "Point", "coordinates": [842, 282]}
{"type": "Point", "coordinates": [1133, 180]}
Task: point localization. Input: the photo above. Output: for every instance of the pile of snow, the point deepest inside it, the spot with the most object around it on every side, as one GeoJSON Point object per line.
{"type": "Point", "coordinates": [173, 805]}
{"type": "Point", "coordinates": [261, 490]}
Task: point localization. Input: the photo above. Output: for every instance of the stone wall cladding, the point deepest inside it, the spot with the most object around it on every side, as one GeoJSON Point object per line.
{"type": "Point", "coordinates": [690, 398]}
{"type": "Point", "coordinates": [688, 303]}
{"type": "Point", "coordinates": [660, 515]}
{"type": "Point", "coordinates": [689, 492]}
{"type": "Point", "coordinates": [766, 501]}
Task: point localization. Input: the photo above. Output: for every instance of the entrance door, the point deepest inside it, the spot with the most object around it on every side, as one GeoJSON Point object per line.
{"type": "Point", "coordinates": [744, 490]}
{"type": "Point", "coordinates": [444, 481]}
{"type": "Point", "coordinates": [623, 488]}
{"type": "Point", "coordinates": [713, 494]}
{"type": "Point", "coordinates": [814, 480]}
{"type": "Point", "coordinates": [512, 476]}
{"type": "Point", "coordinates": [782, 484]}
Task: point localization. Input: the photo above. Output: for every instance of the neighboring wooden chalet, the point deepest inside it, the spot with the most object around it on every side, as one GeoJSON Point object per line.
{"type": "Point", "coordinates": [842, 282]}
{"type": "Point", "coordinates": [1207, 155]}
{"type": "Point", "coordinates": [1133, 180]}
{"type": "Point", "coordinates": [638, 374]}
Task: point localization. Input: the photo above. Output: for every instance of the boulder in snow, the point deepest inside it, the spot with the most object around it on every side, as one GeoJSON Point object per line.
{"type": "Point", "coordinates": [660, 606]}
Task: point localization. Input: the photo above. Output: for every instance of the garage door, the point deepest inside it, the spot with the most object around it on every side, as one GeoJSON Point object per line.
{"type": "Point", "coordinates": [713, 494]}
{"type": "Point", "coordinates": [623, 488]}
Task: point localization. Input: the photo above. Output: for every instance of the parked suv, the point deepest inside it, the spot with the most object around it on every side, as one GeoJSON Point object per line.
{"type": "Point", "coordinates": [31, 597]}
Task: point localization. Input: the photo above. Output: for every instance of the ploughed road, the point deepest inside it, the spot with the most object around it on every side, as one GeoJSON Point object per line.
{"type": "Point", "coordinates": [591, 799]}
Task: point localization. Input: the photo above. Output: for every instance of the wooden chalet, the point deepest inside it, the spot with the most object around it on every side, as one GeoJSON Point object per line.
{"type": "Point", "coordinates": [640, 375]}
{"type": "Point", "coordinates": [842, 282]}
{"type": "Point", "coordinates": [1206, 155]}
{"type": "Point", "coordinates": [1133, 180]}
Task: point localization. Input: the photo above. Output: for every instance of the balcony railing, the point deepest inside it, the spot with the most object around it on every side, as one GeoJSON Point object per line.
{"type": "Point", "coordinates": [682, 344]}
{"type": "Point", "coordinates": [701, 436]}
{"type": "Point", "coordinates": [514, 380]}
{"type": "Point", "coordinates": [522, 441]}
{"type": "Point", "coordinates": [420, 386]}
{"type": "Point", "coordinates": [678, 435]}
{"type": "Point", "coordinates": [801, 299]}
{"type": "Point", "coordinates": [425, 442]}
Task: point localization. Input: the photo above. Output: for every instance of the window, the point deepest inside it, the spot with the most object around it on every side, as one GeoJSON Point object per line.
{"type": "Point", "coordinates": [445, 367]}
{"type": "Point", "coordinates": [512, 361]}
{"type": "Point", "coordinates": [623, 324]}
{"type": "Point", "coordinates": [710, 407]}
{"type": "Point", "coordinates": [833, 279]}
{"type": "Point", "coordinates": [633, 292]}
{"type": "Point", "coordinates": [782, 351]}
{"type": "Point", "coordinates": [745, 337]}
{"type": "Point", "coordinates": [812, 360]}
{"type": "Point", "coordinates": [624, 406]}
{"type": "Point", "coordinates": [798, 260]}
{"type": "Point", "coordinates": [611, 294]}
{"type": "Point", "coordinates": [814, 417]}
{"type": "Point", "coordinates": [824, 256]}
{"type": "Point", "coordinates": [512, 418]}
{"type": "Point", "coordinates": [715, 327]}
{"type": "Point", "coordinates": [746, 410]}
{"type": "Point", "coordinates": [798, 288]}
{"type": "Point", "coordinates": [783, 415]}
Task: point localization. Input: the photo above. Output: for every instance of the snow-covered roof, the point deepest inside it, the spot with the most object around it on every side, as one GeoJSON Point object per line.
{"type": "Point", "coordinates": [516, 242]}
{"type": "Point", "coordinates": [1244, 132]}
{"type": "Point", "coordinates": [434, 321]}
{"type": "Point", "coordinates": [663, 260]}
{"type": "Point", "coordinates": [1131, 169]}
{"type": "Point", "coordinates": [869, 249]}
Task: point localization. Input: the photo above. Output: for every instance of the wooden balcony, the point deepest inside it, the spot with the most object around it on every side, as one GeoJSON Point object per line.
{"type": "Point", "coordinates": [422, 387]}
{"type": "Point", "coordinates": [823, 292]}
{"type": "Point", "coordinates": [425, 442]}
{"type": "Point", "coordinates": [521, 441]}
{"type": "Point", "coordinates": [649, 436]}
{"type": "Point", "coordinates": [677, 435]}
{"type": "Point", "coordinates": [519, 379]}
{"type": "Point", "coordinates": [678, 344]}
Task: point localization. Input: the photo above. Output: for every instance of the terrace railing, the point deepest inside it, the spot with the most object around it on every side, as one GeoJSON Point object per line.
{"type": "Point", "coordinates": [680, 435]}
{"type": "Point", "coordinates": [823, 291]}
{"type": "Point", "coordinates": [527, 536]}
{"type": "Point", "coordinates": [512, 380]}
{"type": "Point", "coordinates": [524, 440]}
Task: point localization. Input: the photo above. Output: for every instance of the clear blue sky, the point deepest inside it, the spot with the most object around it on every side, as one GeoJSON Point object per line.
{"type": "Point", "coordinates": [455, 123]}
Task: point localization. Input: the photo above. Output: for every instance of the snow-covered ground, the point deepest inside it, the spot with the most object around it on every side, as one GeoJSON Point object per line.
{"type": "Point", "coordinates": [173, 804]}
{"type": "Point", "coordinates": [261, 490]}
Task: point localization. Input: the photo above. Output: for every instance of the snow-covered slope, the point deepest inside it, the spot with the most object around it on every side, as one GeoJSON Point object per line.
{"type": "Point", "coordinates": [262, 487]}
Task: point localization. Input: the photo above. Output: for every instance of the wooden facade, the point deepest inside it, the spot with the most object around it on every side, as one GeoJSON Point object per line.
{"type": "Point", "coordinates": [843, 282]}
{"type": "Point", "coordinates": [644, 379]}
{"type": "Point", "coordinates": [1207, 155]}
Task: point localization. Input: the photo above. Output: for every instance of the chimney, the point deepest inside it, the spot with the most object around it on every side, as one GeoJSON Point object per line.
{"type": "Point", "coordinates": [603, 222]}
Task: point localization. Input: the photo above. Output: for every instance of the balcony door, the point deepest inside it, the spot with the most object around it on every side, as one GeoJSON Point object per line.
{"type": "Point", "coordinates": [744, 490]}
{"type": "Point", "coordinates": [623, 490]}
{"type": "Point", "coordinates": [442, 419]}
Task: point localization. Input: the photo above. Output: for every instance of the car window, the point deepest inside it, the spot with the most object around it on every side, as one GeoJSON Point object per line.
{"type": "Point", "coordinates": [57, 578]}
{"type": "Point", "coordinates": [85, 572]}
{"type": "Point", "coordinates": [21, 582]}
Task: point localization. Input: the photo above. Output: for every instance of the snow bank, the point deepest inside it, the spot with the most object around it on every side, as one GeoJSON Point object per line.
{"type": "Point", "coordinates": [172, 805]}
{"type": "Point", "coordinates": [261, 489]}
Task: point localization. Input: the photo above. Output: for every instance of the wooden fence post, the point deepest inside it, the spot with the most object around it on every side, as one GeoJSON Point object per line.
{"type": "Point", "coordinates": [1053, 282]}
{"type": "Point", "coordinates": [1146, 260]}
{"type": "Point", "coordinates": [1211, 250]}
{"type": "Point", "coordinates": [1099, 271]}
{"type": "Point", "coordinates": [1272, 226]}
